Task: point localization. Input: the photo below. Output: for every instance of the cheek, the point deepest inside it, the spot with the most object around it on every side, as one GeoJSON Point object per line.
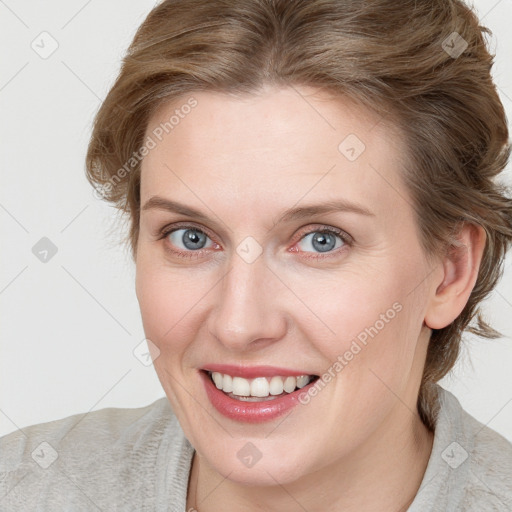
{"type": "Point", "coordinates": [364, 321]}
{"type": "Point", "coordinates": [371, 358]}
{"type": "Point", "coordinates": [169, 302]}
{"type": "Point", "coordinates": [170, 305]}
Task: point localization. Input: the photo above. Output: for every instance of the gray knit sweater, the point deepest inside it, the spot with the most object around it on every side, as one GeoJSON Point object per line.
{"type": "Point", "coordinates": [139, 460]}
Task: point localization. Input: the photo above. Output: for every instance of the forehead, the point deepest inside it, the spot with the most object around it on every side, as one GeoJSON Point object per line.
{"type": "Point", "coordinates": [271, 149]}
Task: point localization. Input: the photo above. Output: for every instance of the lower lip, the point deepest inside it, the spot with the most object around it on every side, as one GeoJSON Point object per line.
{"type": "Point", "coordinates": [250, 412]}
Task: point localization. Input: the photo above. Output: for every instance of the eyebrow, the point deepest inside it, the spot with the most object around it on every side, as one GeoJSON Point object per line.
{"type": "Point", "coordinates": [296, 213]}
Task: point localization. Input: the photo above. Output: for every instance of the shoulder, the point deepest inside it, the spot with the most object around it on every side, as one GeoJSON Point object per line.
{"type": "Point", "coordinates": [111, 428]}
{"type": "Point", "coordinates": [87, 457]}
{"type": "Point", "coordinates": [470, 467]}
{"type": "Point", "coordinates": [489, 472]}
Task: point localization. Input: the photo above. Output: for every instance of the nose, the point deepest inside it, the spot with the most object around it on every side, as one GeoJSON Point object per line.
{"type": "Point", "coordinates": [247, 314]}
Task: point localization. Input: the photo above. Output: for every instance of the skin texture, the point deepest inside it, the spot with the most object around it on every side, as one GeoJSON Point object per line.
{"type": "Point", "coordinates": [242, 161]}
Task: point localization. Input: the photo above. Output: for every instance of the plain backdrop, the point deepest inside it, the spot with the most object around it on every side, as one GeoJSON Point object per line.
{"type": "Point", "coordinates": [69, 325]}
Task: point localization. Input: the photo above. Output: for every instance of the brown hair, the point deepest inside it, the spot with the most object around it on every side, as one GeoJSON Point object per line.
{"type": "Point", "coordinates": [423, 64]}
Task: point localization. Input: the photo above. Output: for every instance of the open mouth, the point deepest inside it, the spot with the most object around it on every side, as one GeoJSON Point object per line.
{"type": "Point", "coordinates": [259, 389]}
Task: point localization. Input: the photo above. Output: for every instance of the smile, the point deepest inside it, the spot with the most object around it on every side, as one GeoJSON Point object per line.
{"type": "Point", "coordinates": [261, 395]}
{"type": "Point", "coordinates": [260, 388]}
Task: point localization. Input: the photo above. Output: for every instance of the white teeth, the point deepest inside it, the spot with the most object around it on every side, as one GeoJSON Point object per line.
{"type": "Point", "coordinates": [290, 384]}
{"type": "Point", "coordinates": [302, 381]}
{"type": "Point", "coordinates": [227, 383]}
{"type": "Point", "coordinates": [276, 385]}
{"type": "Point", "coordinates": [217, 379]}
{"type": "Point", "coordinates": [241, 387]}
{"type": "Point", "coordinates": [259, 387]}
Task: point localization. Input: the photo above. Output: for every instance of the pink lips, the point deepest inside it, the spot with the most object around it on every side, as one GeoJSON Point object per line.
{"type": "Point", "coordinates": [250, 412]}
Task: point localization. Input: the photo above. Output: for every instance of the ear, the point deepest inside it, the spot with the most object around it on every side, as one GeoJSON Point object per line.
{"type": "Point", "coordinates": [460, 271]}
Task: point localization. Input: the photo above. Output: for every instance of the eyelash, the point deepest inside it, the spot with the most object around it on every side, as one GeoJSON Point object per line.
{"type": "Point", "coordinates": [345, 238]}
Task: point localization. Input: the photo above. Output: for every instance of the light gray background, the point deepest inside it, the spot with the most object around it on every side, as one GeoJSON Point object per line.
{"type": "Point", "coordinates": [69, 326]}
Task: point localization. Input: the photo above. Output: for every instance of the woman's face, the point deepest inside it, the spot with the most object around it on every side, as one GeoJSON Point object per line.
{"type": "Point", "coordinates": [303, 259]}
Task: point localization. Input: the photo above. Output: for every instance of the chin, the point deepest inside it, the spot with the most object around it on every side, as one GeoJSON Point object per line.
{"type": "Point", "coordinates": [256, 463]}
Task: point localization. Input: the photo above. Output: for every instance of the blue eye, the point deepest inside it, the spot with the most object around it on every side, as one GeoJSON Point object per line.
{"type": "Point", "coordinates": [189, 241]}
{"type": "Point", "coordinates": [322, 241]}
{"type": "Point", "coordinates": [190, 238]}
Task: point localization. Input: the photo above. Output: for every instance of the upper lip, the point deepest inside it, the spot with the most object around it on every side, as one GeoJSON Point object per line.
{"type": "Point", "coordinates": [251, 372]}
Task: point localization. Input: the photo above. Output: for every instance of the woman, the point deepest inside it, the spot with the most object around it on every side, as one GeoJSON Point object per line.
{"type": "Point", "coordinates": [314, 222]}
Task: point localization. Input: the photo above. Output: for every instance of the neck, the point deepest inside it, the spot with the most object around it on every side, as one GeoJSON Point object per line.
{"type": "Point", "coordinates": [383, 474]}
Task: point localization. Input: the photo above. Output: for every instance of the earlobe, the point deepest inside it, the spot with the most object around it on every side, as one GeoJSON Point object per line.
{"type": "Point", "coordinates": [460, 271]}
